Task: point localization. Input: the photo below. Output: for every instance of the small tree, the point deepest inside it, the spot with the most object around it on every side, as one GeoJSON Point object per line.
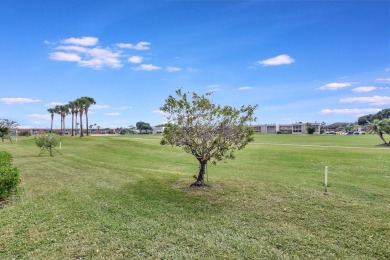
{"type": "Point", "coordinates": [144, 128]}
{"type": "Point", "coordinates": [310, 128]}
{"type": "Point", "coordinates": [47, 142]}
{"type": "Point", "coordinates": [206, 130]}
{"type": "Point", "coordinates": [6, 126]}
{"type": "Point", "coordinates": [379, 127]}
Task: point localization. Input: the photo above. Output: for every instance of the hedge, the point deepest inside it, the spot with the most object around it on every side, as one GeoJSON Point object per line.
{"type": "Point", "coordinates": [9, 175]}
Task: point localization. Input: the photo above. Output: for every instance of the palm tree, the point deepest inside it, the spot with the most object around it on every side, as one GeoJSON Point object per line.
{"type": "Point", "coordinates": [52, 111]}
{"type": "Point", "coordinates": [81, 106]}
{"type": "Point", "coordinates": [76, 112]}
{"type": "Point", "coordinates": [376, 127]}
{"type": "Point", "coordinates": [73, 107]}
{"type": "Point", "coordinates": [63, 111]}
{"type": "Point", "coordinates": [88, 102]}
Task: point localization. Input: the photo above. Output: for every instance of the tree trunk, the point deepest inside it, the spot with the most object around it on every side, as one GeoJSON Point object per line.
{"type": "Point", "coordinates": [81, 125]}
{"type": "Point", "coordinates": [51, 125]}
{"type": "Point", "coordinates": [72, 123]}
{"type": "Point", "coordinates": [383, 139]}
{"type": "Point", "coordinates": [200, 180]}
{"type": "Point", "coordinates": [86, 120]}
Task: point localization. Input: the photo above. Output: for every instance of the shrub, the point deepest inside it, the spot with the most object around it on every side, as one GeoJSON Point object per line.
{"type": "Point", "coordinates": [47, 142]}
{"type": "Point", "coordinates": [9, 175]}
{"type": "Point", "coordinates": [24, 133]}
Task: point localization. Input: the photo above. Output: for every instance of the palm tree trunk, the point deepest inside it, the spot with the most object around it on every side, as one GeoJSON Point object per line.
{"type": "Point", "coordinates": [72, 123]}
{"type": "Point", "coordinates": [86, 120]}
{"type": "Point", "coordinates": [81, 124]}
{"type": "Point", "coordinates": [51, 126]}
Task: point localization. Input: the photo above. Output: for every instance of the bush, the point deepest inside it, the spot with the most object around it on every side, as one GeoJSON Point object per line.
{"type": "Point", "coordinates": [24, 133]}
{"type": "Point", "coordinates": [9, 175]}
{"type": "Point", "coordinates": [47, 142]}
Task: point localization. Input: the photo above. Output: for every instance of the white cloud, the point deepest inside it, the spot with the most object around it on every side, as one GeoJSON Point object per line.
{"type": "Point", "coordinates": [364, 89]}
{"type": "Point", "coordinates": [96, 107]}
{"type": "Point", "coordinates": [124, 108]}
{"type": "Point", "coordinates": [245, 88]}
{"type": "Point", "coordinates": [374, 100]}
{"type": "Point", "coordinates": [72, 48]}
{"type": "Point", "coordinates": [161, 113]}
{"type": "Point", "coordinates": [139, 46]}
{"type": "Point", "coordinates": [276, 61]}
{"type": "Point", "coordinates": [173, 69]}
{"type": "Point", "coordinates": [113, 114]}
{"type": "Point", "coordinates": [135, 59]}
{"type": "Point", "coordinates": [335, 86]}
{"type": "Point", "coordinates": [383, 79]}
{"type": "Point", "coordinates": [46, 117]}
{"type": "Point", "coordinates": [354, 111]}
{"type": "Point", "coordinates": [147, 67]}
{"type": "Point", "coordinates": [10, 101]}
{"type": "Point", "coordinates": [214, 87]}
{"type": "Point", "coordinates": [53, 104]}
{"type": "Point", "coordinates": [100, 58]}
{"type": "Point", "coordinates": [64, 56]}
{"type": "Point", "coordinates": [83, 41]}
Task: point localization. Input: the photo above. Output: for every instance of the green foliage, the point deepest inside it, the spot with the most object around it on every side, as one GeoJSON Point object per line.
{"type": "Point", "coordinates": [310, 128]}
{"type": "Point", "coordinates": [24, 133]}
{"type": "Point", "coordinates": [144, 128]}
{"type": "Point", "coordinates": [6, 126]}
{"type": "Point", "coordinates": [47, 142]}
{"type": "Point", "coordinates": [206, 130]}
{"type": "Point", "coordinates": [9, 175]}
{"type": "Point", "coordinates": [383, 114]}
{"type": "Point", "coordinates": [379, 127]}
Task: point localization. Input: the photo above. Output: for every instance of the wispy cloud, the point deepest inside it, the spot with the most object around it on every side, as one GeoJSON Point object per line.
{"type": "Point", "coordinates": [173, 69]}
{"type": "Point", "coordinates": [245, 88]}
{"type": "Point", "coordinates": [96, 107]}
{"type": "Point", "coordinates": [146, 67]}
{"type": "Point", "coordinates": [63, 56]}
{"type": "Point", "coordinates": [84, 52]}
{"type": "Point", "coordinates": [384, 79]}
{"type": "Point", "coordinates": [364, 89]}
{"type": "Point", "coordinates": [135, 59]}
{"type": "Point", "coordinates": [113, 114]}
{"type": "Point", "coordinates": [276, 61]}
{"type": "Point", "coordinates": [374, 100]}
{"type": "Point", "coordinates": [10, 101]}
{"type": "Point", "coordinates": [45, 117]}
{"type": "Point", "coordinates": [124, 108]}
{"type": "Point", "coordinates": [53, 104]}
{"type": "Point", "coordinates": [139, 46]}
{"type": "Point", "coordinates": [335, 85]}
{"type": "Point", "coordinates": [214, 87]}
{"type": "Point", "coordinates": [353, 111]}
{"type": "Point", "coordinates": [159, 112]}
{"type": "Point", "coordinates": [83, 41]}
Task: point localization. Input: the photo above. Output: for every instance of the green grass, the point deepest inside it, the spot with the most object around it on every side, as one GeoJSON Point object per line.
{"type": "Point", "coordinates": [127, 197]}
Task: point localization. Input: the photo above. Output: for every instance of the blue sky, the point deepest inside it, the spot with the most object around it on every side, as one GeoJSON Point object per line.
{"type": "Point", "coordinates": [298, 60]}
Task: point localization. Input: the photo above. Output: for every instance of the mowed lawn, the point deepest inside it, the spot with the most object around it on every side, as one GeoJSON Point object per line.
{"type": "Point", "coordinates": [127, 197]}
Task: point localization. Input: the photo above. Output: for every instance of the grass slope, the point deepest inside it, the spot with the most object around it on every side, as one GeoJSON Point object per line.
{"type": "Point", "coordinates": [128, 197]}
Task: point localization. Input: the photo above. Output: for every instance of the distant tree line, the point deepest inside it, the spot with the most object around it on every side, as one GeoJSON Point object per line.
{"type": "Point", "coordinates": [77, 107]}
{"type": "Point", "coordinates": [383, 114]}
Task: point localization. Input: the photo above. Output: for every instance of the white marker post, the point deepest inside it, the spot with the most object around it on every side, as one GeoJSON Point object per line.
{"type": "Point", "coordinates": [60, 146]}
{"type": "Point", "coordinates": [326, 178]}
